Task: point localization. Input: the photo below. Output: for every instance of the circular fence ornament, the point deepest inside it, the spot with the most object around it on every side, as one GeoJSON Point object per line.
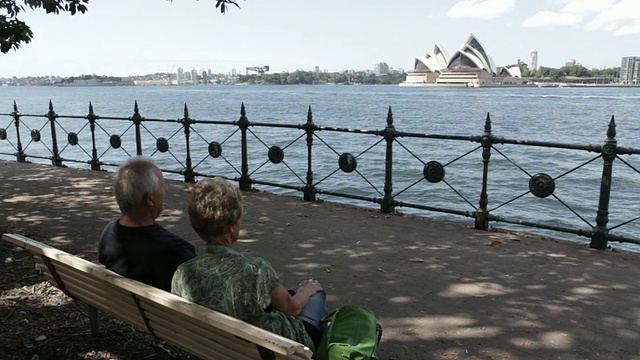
{"type": "Point", "coordinates": [433, 172]}
{"type": "Point", "coordinates": [72, 138]}
{"type": "Point", "coordinates": [347, 162]}
{"type": "Point", "coordinates": [215, 149]}
{"type": "Point", "coordinates": [162, 145]}
{"type": "Point", "coordinates": [35, 135]}
{"type": "Point", "coordinates": [115, 141]}
{"type": "Point", "coordinates": [276, 154]}
{"type": "Point", "coordinates": [3, 134]}
{"type": "Point", "coordinates": [541, 185]}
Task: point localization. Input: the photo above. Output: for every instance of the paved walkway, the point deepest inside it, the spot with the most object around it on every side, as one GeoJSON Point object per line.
{"type": "Point", "coordinates": [439, 289]}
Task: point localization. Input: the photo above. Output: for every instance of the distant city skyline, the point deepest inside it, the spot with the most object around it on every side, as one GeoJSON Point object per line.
{"type": "Point", "coordinates": [121, 38]}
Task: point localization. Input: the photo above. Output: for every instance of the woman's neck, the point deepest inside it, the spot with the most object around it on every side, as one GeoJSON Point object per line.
{"type": "Point", "coordinates": [224, 240]}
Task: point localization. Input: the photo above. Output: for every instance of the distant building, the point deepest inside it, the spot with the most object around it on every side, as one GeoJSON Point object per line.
{"type": "Point", "coordinates": [317, 69]}
{"type": "Point", "coordinates": [194, 76]}
{"type": "Point", "coordinates": [533, 60]}
{"type": "Point", "coordinates": [205, 77]}
{"type": "Point", "coordinates": [233, 72]}
{"type": "Point", "coordinates": [381, 68]}
{"type": "Point", "coordinates": [570, 63]}
{"type": "Point", "coordinates": [180, 74]}
{"type": "Point", "coordinates": [630, 70]}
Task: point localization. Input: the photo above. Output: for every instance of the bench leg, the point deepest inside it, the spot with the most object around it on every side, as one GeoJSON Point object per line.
{"type": "Point", "coordinates": [94, 319]}
{"type": "Point", "coordinates": [266, 354]}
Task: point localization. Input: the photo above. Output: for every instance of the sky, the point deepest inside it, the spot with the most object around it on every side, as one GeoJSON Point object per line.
{"type": "Point", "coordinates": [137, 37]}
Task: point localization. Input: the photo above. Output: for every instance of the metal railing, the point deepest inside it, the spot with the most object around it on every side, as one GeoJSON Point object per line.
{"type": "Point", "coordinates": [104, 144]}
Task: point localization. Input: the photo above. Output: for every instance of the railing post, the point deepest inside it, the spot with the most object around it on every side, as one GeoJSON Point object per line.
{"type": "Point", "coordinates": [482, 215]}
{"type": "Point", "coordinates": [95, 162]}
{"type": "Point", "coordinates": [309, 127]}
{"type": "Point", "coordinates": [243, 124]}
{"type": "Point", "coordinates": [386, 206]}
{"type": "Point", "coordinates": [609, 150]}
{"type": "Point", "coordinates": [20, 156]}
{"type": "Point", "coordinates": [137, 120]}
{"type": "Point", "coordinates": [52, 116]}
{"type": "Point", "coordinates": [186, 122]}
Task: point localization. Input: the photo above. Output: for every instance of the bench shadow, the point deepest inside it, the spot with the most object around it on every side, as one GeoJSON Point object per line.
{"type": "Point", "coordinates": [39, 320]}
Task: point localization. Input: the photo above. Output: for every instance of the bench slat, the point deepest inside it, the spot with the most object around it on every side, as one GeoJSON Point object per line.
{"type": "Point", "coordinates": [123, 312]}
{"type": "Point", "coordinates": [205, 349]}
{"type": "Point", "coordinates": [204, 335]}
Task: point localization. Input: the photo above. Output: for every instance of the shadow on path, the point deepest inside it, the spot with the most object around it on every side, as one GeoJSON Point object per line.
{"type": "Point", "coordinates": [440, 290]}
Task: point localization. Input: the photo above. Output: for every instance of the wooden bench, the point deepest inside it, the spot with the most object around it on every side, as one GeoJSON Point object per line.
{"type": "Point", "coordinates": [194, 328]}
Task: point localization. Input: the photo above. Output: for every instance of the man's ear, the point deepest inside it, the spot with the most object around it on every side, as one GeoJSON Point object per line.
{"type": "Point", "coordinates": [149, 199]}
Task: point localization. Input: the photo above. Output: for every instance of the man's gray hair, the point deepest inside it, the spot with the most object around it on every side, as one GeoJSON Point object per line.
{"type": "Point", "coordinates": [134, 179]}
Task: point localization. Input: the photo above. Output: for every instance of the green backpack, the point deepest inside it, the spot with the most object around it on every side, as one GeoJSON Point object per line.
{"type": "Point", "coordinates": [353, 333]}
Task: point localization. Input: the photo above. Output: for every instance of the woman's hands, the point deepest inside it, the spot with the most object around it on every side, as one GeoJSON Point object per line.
{"type": "Point", "coordinates": [293, 305]}
{"type": "Point", "coordinates": [309, 286]}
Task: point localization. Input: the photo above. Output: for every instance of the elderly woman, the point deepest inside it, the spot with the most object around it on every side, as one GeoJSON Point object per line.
{"type": "Point", "coordinates": [239, 285]}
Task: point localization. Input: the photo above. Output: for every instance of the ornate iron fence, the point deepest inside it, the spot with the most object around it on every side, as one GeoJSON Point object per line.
{"type": "Point", "coordinates": [186, 147]}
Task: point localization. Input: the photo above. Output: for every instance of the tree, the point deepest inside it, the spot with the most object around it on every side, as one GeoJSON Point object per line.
{"type": "Point", "coordinates": [14, 32]}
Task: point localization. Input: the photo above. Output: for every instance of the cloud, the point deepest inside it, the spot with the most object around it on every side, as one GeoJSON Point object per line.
{"type": "Point", "coordinates": [628, 30]}
{"type": "Point", "coordinates": [586, 6]}
{"type": "Point", "coordinates": [552, 19]}
{"type": "Point", "coordinates": [481, 9]}
{"type": "Point", "coordinates": [625, 12]}
{"type": "Point", "coordinates": [620, 17]}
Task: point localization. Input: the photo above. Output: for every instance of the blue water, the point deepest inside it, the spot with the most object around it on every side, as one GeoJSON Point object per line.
{"type": "Point", "coordinates": [566, 115]}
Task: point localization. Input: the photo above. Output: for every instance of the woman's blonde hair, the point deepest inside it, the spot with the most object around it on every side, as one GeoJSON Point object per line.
{"type": "Point", "coordinates": [213, 205]}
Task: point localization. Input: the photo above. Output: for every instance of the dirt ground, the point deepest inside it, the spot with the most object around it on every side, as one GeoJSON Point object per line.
{"type": "Point", "coordinates": [440, 290]}
{"type": "Point", "coordinates": [40, 322]}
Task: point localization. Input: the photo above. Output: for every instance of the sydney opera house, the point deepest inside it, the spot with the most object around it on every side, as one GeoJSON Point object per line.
{"type": "Point", "coordinates": [470, 66]}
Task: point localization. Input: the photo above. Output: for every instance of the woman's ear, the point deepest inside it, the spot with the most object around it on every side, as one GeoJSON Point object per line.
{"type": "Point", "coordinates": [234, 230]}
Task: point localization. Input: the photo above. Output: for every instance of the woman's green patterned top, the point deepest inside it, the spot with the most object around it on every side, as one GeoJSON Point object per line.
{"type": "Point", "coordinates": [238, 285]}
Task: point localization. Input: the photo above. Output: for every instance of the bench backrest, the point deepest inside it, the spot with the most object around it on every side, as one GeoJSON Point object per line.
{"type": "Point", "coordinates": [194, 328]}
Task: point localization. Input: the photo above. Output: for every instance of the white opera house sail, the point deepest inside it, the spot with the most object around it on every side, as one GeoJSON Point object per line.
{"type": "Point", "coordinates": [470, 66]}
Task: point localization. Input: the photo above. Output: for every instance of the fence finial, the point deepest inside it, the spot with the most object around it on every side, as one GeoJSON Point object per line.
{"type": "Point", "coordinates": [135, 107]}
{"type": "Point", "coordinates": [186, 111]}
{"type": "Point", "coordinates": [242, 111]}
{"type": "Point", "coordinates": [389, 117]}
{"type": "Point", "coordinates": [611, 131]}
{"type": "Point", "coordinates": [309, 115]}
{"type": "Point", "coordinates": [15, 106]}
{"type": "Point", "coordinates": [50, 105]}
{"type": "Point", "coordinates": [487, 124]}
{"type": "Point", "coordinates": [90, 108]}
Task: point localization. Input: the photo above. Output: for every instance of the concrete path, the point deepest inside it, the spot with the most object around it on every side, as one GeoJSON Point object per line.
{"type": "Point", "coordinates": [439, 289]}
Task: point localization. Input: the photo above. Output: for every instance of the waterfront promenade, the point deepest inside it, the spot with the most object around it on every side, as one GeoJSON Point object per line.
{"type": "Point", "coordinates": [441, 290]}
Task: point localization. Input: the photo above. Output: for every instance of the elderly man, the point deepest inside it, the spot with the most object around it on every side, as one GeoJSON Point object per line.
{"type": "Point", "coordinates": [136, 246]}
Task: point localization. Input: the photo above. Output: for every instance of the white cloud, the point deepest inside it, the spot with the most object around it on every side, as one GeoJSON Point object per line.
{"type": "Point", "coordinates": [620, 19]}
{"type": "Point", "coordinates": [628, 30]}
{"type": "Point", "coordinates": [586, 6]}
{"type": "Point", "coordinates": [481, 9]}
{"type": "Point", "coordinates": [551, 19]}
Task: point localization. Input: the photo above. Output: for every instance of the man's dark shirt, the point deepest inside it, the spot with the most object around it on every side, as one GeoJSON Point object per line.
{"type": "Point", "coordinates": [149, 254]}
